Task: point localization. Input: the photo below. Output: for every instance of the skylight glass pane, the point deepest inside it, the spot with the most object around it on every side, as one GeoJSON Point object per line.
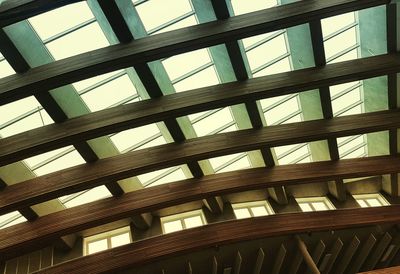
{"type": "Point", "coordinates": [194, 221]}
{"type": "Point", "coordinates": [305, 207]}
{"type": "Point", "coordinates": [320, 206]}
{"type": "Point", "coordinates": [267, 52]}
{"type": "Point", "coordinates": [119, 240]}
{"type": "Point", "coordinates": [259, 211]}
{"type": "Point", "coordinates": [178, 65]}
{"type": "Point", "coordinates": [218, 162]}
{"type": "Point", "coordinates": [242, 163]}
{"type": "Point", "coordinates": [361, 152]}
{"type": "Point", "coordinates": [136, 137]}
{"type": "Point", "coordinates": [246, 6]}
{"type": "Point", "coordinates": [5, 68]}
{"type": "Point", "coordinates": [35, 120]}
{"type": "Point", "coordinates": [278, 67]}
{"type": "Point", "coordinates": [81, 85]}
{"type": "Point", "coordinates": [355, 110]}
{"type": "Point", "coordinates": [281, 111]}
{"type": "Point", "coordinates": [109, 94]}
{"type": "Point", "coordinates": [346, 146]}
{"type": "Point", "coordinates": [362, 203]}
{"type": "Point", "coordinates": [11, 219]}
{"type": "Point", "coordinates": [82, 40]}
{"type": "Point", "coordinates": [172, 226]}
{"type": "Point", "coordinates": [352, 146]}
{"type": "Point", "coordinates": [294, 156]}
{"type": "Point", "coordinates": [373, 202]}
{"type": "Point", "coordinates": [91, 195]}
{"type": "Point", "coordinates": [335, 23]}
{"type": "Point", "coordinates": [351, 55]}
{"type": "Point", "coordinates": [35, 160]}
{"type": "Point", "coordinates": [204, 78]}
{"type": "Point", "coordinates": [71, 159]}
{"type": "Point", "coordinates": [177, 175]}
{"type": "Point", "coordinates": [242, 213]}
{"type": "Point", "coordinates": [340, 42]}
{"type": "Point", "coordinates": [346, 100]}
{"type": "Point", "coordinates": [17, 108]}
{"type": "Point", "coordinates": [157, 12]}
{"type": "Point", "coordinates": [97, 246]}
{"type": "Point", "coordinates": [213, 122]}
{"type": "Point", "coordinates": [61, 19]}
{"type": "Point", "coordinates": [252, 40]}
{"type": "Point", "coordinates": [335, 90]}
{"type": "Point", "coordinates": [189, 21]}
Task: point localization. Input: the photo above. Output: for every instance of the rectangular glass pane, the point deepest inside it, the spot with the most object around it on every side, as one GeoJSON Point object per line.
{"type": "Point", "coordinates": [119, 240]}
{"type": "Point", "coordinates": [242, 213]}
{"type": "Point", "coordinates": [193, 222]}
{"type": "Point", "coordinates": [97, 246]}
{"type": "Point", "coordinates": [172, 226]}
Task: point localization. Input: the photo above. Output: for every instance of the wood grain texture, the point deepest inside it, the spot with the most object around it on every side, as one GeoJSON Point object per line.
{"type": "Point", "coordinates": [189, 240]}
{"type": "Point", "coordinates": [123, 117]}
{"type": "Point", "coordinates": [26, 236]}
{"type": "Point", "coordinates": [122, 166]}
{"type": "Point", "coordinates": [162, 45]}
{"type": "Point", "coordinates": [390, 270]}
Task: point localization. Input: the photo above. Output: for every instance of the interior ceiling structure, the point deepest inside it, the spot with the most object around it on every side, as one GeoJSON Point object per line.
{"type": "Point", "coordinates": [119, 111]}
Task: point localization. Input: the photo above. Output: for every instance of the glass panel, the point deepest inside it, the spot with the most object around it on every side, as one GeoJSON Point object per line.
{"type": "Point", "coordinates": [189, 21]}
{"type": "Point", "coordinates": [335, 23]}
{"type": "Point", "coordinates": [246, 6]}
{"type": "Point", "coordinates": [119, 240]}
{"type": "Point", "coordinates": [239, 164]}
{"type": "Point", "coordinates": [109, 94]}
{"type": "Point", "coordinates": [172, 226]}
{"type": "Point", "coordinates": [213, 122]}
{"type": "Point", "coordinates": [5, 69]}
{"type": "Point", "coordinates": [267, 52]}
{"type": "Point", "coordinates": [295, 155]}
{"type": "Point", "coordinates": [82, 40]}
{"type": "Point", "coordinates": [346, 100]}
{"type": "Point", "coordinates": [281, 111]}
{"type": "Point", "coordinates": [219, 161]}
{"type": "Point", "coordinates": [71, 159]}
{"type": "Point", "coordinates": [157, 12]}
{"type": "Point", "coordinates": [340, 42]}
{"type": "Point", "coordinates": [19, 220]}
{"type": "Point", "coordinates": [35, 120]}
{"type": "Point", "coordinates": [161, 176]}
{"type": "Point", "coordinates": [81, 85]}
{"type": "Point", "coordinates": [11, 219]}
{"type": "Point", "coordinates": [351, 55]}
{"type": "Point", "coordinates": [172, 177]}
{"type": "Point", "coordinates": [36, 160]}
{"type": "Point", "coordinates": [362, 203]}
{"type": "Point", "coordinates": [320, 206]}
{"type": "Point", "coordinates": [305, 207]}
{"type": "Point", "coordinates": [259, 211]}
{"type": "Point", "coordinates": [373, 202]}
{"type": "Point", "coordinates": [61, 19]}
{"type": "Point", "coordinates": [97, 246]}
{"type": "Point", "coordinates": [334, 90]}
{"type": "Point", "coordinates": [278, 67]}
{"type": "Point", "coordinates": [193, 222]}
{"type": "Point", "coordinates": [178, 65]}
{"type": "Point", "coordinates": [91, 195]}
{"type": "Point", "coordinates": [206, 77]}
{"type": "Point", "coordinates": [242, 213]}
{"type": "Point", "coordinates": [12, 110]}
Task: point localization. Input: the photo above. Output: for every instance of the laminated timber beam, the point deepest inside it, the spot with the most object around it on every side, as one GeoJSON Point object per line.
{"type": "Point", "coordinates": [28, 236]}
{"type": "Point", "coordinates": [169, 245]}
{"type": "Point", "coordinates": [123, 117]}
{"type": "Point", "coordinates": [163, 45]}
{"type": "Point", "coordinates": [133, 163]}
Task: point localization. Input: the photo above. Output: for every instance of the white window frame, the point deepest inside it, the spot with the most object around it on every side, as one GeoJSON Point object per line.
{"type": "Point", "coordinates": [249, 205]}
{"type": "Point", "coordinates": [181, 217]}
{"type": "Point", "coordinates": [106, 235]}
{"type": "Point", "coordinates": [311, 200]}
{"type": "Point", "coordinates": [365, 197]}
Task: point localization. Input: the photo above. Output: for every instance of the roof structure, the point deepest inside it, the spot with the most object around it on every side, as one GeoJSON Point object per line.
{"type": "Point", "coordinates": [118, 113]}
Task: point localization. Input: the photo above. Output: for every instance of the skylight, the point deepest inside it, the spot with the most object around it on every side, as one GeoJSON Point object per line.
{"type": "Point", "coordinates": [5, 68]}
{"type": "Point", "coordinates": [11, 219]}
{"type": "Point", "coordinates": [162, 176]}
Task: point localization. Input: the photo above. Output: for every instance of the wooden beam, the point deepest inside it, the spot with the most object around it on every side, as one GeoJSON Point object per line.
{"type": "Point", "coordinates": [390, 270]}
{"type": "Point", "coordinates": [306, 256]}
{"type": "Point", "coordinates": [85, 176]}
{"type": "Point", "coordinates": [362, 255]}
{"type": "Point", "coordinates": [169, 245]}
{"type": "Point", "coordinates": [238, 263]}
{"type": "Point", "coordinates": [214, 265]}
{"type": "Point", "coordinates": [259, 261]}
{"type": "Point", "coordinates": [162, 45]}
{"type": "Point", "coordinates": [348, 255]}
{"type": "Point", "coordinates": [104, 211]}
{"type": "Point", "coordinates": [123, 117]}
{"type": "Point", "coordinates": [317, 253]}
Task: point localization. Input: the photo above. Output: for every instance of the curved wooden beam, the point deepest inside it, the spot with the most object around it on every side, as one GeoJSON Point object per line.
{"type": "Point", "coordinates": [123, 117]}
{"type": "Point", "coordinates": [162, 45]}
{"type": "Point", "coordinates": [30, 235]}
{"type": "Point", "coordinates": [165, 246]}
{"type": "Point", "coordinates": [133, 163]}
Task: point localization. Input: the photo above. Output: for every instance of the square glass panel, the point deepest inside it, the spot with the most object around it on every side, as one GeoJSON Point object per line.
{"type": "Point", "coordinates": [82, 40]}
{"type": "Point", "coordinates": [89, 196]}
{"type": "Point", "coordinates": [119, 240]}
{"type": "Point", "coordinates": [241, 213]}
{"type": "Point", "coordinates": [61, 19]}
{"type": "Point", "coordinates": [305, 207]}
{"type": "Point", "coordinates": [177, 175]}
{"type": "Point", "coordinates": [172, 226]}
{"type": "Point", "coordinates": [319, 206]}
{"type": "Point", "coordinates": [35, 120]}
{"type": "Point", "coordinates": [194, 221]}
{"type": "Point", "coordinates": [97, 246]}
{"type": "Point", "coordinates": [213, 122]}
{"type": "Point", "coordinates": [335, 23]}
{"type": "Point", "coordinates": [204, 78]}
{"type": "Point", "coordinates": [259, 211]}
{"type": "Point", "coordinates": [242, 163]}
{"type": "Point", "coordinates": [280, 66]}
{"type": "Point", "coordinates": [69, 160]}
{"type": "Point", "coordinates": [340, 42]}
{"type": "Point", "coordinates": [246, 6]}
{"type": "Point", "coordinates": [5, 69]}
{"type": "Point", "coordinates": [189, 21]}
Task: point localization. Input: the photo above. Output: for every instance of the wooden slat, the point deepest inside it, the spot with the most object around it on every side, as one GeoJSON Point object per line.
{"type": "Point", "coordinates": [119, 118]}
{"type": "Point", "coordinates": [280, 257]}
{"type": "Point", "coordinates": [337, 247]}
{"type": "Point", "coordinates": [347, 256]}
{"type": "Point", "coordinates": [214, 265]}
{"type": "Point", "coordinates": [162, 45]}
{"type": "Point", "coordinates": [168, 245]}
{"type": "Point", "coordinates": [376, 255]}
{"type": "Point", "coordinates": [362, 255]}
{"type": "Point", "coordinates": [238, 263]}
{"type": "Point", "coordinates": [390, 270]}
{"type": "Point", "coordinates": [306, 256]}
{"type": "Point", "coordinates": [259, 262]}
{"type": "Point", "coordinates": [43, 230]}
{"type": "Point", "coordinates": [85, 176]}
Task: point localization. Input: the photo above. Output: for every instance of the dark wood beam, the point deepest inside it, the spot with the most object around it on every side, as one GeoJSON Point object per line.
{"type": "Point", "coordinates": [162, 45]}
{"type": "Point", "coordinates": [362, 255]}
{"type": "Point", "coordinates": [279, 258]}
{"type": "Point", "coordinates": [306, 256]}
{"type": "Point", "coordinates": [217, 234]}
{"type": "Point", "coordinates": [122, 166]}
{"type": "Point", "coordinates": [348, 255]}
{"type": "Point", "coordinates": [259, 261]}
{"type": "Point", "coordinates": [26, 236]}
{"type": "Point", "coordinates": [390, 270]}
{"type": "Point", "coordinates": [377, 253]}
{"type": "Point", "coordinates": [123, 117]}
{"type": "Point", "coordinates": [317, 253]}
